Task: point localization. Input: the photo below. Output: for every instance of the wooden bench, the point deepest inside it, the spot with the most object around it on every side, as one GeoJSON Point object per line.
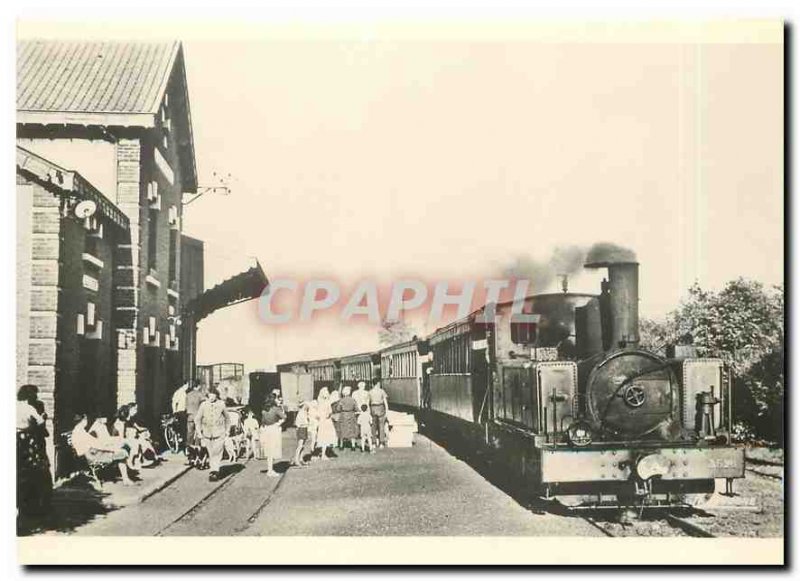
{"type": "Point", "coordinates": [92, 467]}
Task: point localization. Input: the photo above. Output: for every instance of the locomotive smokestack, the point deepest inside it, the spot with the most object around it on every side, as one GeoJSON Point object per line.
{"type": "Point", "coordinates": [624, 285]}
{"type": "Point", "coordinates": [620, 297]}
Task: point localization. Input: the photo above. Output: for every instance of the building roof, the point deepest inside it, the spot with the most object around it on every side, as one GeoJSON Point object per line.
{"type": "Point", "coordinates": [93, 77]}
{"type": "Point", "coordinates": [60, 180]}
{"type": "Point", "coordinates": [104, 84]}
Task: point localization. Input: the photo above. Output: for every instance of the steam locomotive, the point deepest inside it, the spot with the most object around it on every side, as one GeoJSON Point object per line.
{"type": "Point", "coordinates": [565, 401]}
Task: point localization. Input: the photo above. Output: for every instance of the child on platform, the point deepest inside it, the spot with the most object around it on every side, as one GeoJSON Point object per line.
{"type": "Point", "coordinates": [364, 422]}
{"type": "Point", "coordinates": [301, 423]}
{"type": "Point", "coordinates": [250, 428]}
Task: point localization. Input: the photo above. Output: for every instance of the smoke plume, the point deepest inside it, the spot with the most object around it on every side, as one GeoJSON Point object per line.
{"type": "Point", "coordinates": [604, 253]}
{"type": "Point", "coordinates": [565, 260]}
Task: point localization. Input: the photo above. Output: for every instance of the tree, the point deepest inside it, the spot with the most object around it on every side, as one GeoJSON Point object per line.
{"type": "Point", "coordinates": [741, 323]}
{"type": "Point", "coordinates": [655, 335]}
{"type": "Point", "coordinates": [393, 332]}
{"type": "Point", "coordinates": [744, 325]}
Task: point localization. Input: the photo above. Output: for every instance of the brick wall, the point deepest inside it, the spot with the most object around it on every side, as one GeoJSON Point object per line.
{"type": "Point", "coordinates": [24, 291]}
{"type": "Point", "coordinates": [75, 373]}
{"type": "Point", "coordinates": [38, 289]}
{"type": "Point", "coordinates": [127, 267]}
{"type": "Point", "coordinates": [148, 373]}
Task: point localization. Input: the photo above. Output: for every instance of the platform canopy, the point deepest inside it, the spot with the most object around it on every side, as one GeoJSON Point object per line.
{"type": "Point", "coordinates": [245, 286]}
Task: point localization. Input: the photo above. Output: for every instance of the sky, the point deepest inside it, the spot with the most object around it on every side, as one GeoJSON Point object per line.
{"type": "Point", "coordinates": [380, 154]}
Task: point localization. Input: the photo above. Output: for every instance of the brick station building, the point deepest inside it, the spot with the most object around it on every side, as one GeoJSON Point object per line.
{"type": "Point", "coordinates": [109, 290]}
{"type": "Point", "coordinates": [99, 298]}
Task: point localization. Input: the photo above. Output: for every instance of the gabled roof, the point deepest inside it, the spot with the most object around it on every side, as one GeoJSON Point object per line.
{"type": "Point", "coordinates": [104, 84]}
{"type": "Point", "coordinates": [93, 77]}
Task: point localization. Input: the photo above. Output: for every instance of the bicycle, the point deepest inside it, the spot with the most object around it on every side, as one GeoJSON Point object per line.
{"type": "Point", "coordinates": [170, 425]}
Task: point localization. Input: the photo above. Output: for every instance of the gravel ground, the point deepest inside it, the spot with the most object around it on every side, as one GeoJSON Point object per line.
{"type": "Point", "coordinates": [646, 527]}
{"type": "Point", "coordinates": [757, 510]}
{"type": "Point", "coordinates": [421, 490]}
{"type": "Point", "coordinates": [766, 519]}
{"type": "Point", "coordinates": [762, 455]}
{"type": "Point", "coordinates": [402, 491]}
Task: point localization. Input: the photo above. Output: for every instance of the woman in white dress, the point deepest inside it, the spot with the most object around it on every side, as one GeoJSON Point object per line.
{"type": "Point", "coordinates": [326, 433]}
{"type": "Point", "coordinates": [313, 427]}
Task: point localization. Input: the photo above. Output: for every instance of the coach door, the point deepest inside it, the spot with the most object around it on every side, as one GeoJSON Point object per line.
{"type": "Point", "coordinates": [427, 369]}
{"type": "Point", "coordinates": [480, 379]}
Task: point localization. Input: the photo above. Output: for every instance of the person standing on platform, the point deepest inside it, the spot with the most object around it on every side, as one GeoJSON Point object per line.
{"type": "Point", "coordinates": [348, 428]}
{"type": "Point", "coordinates": [313, 427]}
{"type": "Point", "coordinates": [34, 483]}
{"type": "Point", "coordinates": [326, 433]}
{"type": "Point", "coordinates": [361, 395]}
{"type": "Point", "coordinates": [336, 416]}
{"type": "Point", "coordinates": [250, 428]}
{"type": "Point", "coordinates": [270, 434]}
{"type": "Point", "coordinates": [379, 406]}
{"type": "Point", "coordinates": [212, 428]}
{"type": "Point", "coordinates": [194, 397]}
{"type": "Point", "coordinates": [364, 421]}
{"type": "Point", "coordinates": [301, 423]}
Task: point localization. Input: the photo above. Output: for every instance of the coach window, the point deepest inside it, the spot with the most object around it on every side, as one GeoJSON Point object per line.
{"type": "Point", "coordinates": [523, 332]}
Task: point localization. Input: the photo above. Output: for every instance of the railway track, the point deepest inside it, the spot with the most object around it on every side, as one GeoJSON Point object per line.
{"type": "Point", "coordinates": [764, 474]}
{"type": "Point", "coordinates": [217, 489]}
{"type": "Point", "coordinates": [690, 528]}
{"type": "Point", "coordinates": [598, 526]}
{"type": "Point", "coordinates": [761, 462]}
{"type": "Point", "coordinates": [662, 522]}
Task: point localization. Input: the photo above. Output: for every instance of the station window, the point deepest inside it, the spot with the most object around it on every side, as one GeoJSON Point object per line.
{"type": "Point", "coordinates": [152, 239]}
{"type": "Point", "coordinates": [173, 256]}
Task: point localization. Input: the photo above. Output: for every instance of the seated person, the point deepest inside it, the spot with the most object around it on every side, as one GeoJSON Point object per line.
{"type": "Point", "coordinates": [143, 451]}
{"type": "Point", "coordinates": [119, 430]}
{"type": "Point", "coordinates": [99, 450]}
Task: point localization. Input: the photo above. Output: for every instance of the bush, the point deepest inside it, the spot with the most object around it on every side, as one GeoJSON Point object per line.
{"type": "Point", "coordinates": [742, 324]}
